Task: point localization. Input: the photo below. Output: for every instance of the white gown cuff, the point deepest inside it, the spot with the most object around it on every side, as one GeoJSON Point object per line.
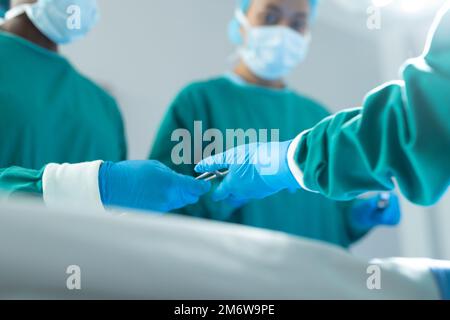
{"type": "Point", "coordinates": [293, 166]}
{"type": "Point", "coordinates": [72, 185]}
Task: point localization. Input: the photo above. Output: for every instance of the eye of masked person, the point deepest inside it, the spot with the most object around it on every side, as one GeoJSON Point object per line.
{"type": "Point", "coordinates": [273, 16]}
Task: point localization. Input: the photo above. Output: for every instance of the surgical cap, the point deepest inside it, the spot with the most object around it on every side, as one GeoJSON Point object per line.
{"type": "Point", "coordinates": [4, 6]}
{"type": "Point", "coordinates": [244, 5]}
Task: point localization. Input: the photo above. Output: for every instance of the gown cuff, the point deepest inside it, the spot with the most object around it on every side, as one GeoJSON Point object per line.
{"type": "Point", "coordinates": [292, 162]}
{"type": "Point", "coordinates": [72, 185]}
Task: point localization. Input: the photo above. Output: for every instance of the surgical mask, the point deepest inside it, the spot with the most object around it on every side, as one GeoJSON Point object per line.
{"type": "Point", "coordinates": [271, 52]}
{"type": "Point", "coordinates": [62, 21]}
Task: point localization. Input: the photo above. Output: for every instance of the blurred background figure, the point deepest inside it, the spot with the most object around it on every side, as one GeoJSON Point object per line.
{"type": "Point", "coordinates": [50, 112]}
{"type": "Point", "coordinates": [272, 38]}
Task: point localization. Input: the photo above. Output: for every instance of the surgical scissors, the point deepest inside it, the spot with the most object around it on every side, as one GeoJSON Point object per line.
{"type": "Point", "coordinates": [208, 176]}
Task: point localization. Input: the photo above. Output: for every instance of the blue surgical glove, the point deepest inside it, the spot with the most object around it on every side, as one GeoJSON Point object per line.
{"type": "Point", "coordinates": [441, 273]}
{"type": "Point", "coordinates": [147, 185]}
{"type": "Point", "coordinates": [257, 171]}
{"type": "Point", "coordinates": [376, 211]}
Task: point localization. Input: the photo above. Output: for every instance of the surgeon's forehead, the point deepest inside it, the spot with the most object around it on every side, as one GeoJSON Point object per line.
{"type": "Point", "coordinates": [288, 5]}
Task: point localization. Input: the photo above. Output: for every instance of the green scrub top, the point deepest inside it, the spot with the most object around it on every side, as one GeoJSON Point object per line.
{"type": "Point", "coordinates": [402, 133]}
{"type": "Point", "coordinates": [223, 104]}
{"type": "Point", "coordinates": [49, 113]}
{"type": "Point", "coordinates": [4, 6]}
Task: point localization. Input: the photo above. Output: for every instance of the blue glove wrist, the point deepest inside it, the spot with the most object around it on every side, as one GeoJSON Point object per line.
{"type": "Point", "coordinates": [290, 180]}
{"type": "Point", "coordinates": [281, 178]}
{"type": "Point", "coordinates": [102, 182]}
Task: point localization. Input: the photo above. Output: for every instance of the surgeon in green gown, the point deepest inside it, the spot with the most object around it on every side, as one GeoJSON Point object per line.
{"type": "Point", "coordinates": [50, 112]}
{"type": "Point", "coordinates": [255, 96]}
{"type": "Point", "coordinates": [401, 135]}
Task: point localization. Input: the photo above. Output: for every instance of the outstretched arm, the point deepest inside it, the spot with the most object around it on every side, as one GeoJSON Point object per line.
{"type": "Point", "coordinates": [401, 133]}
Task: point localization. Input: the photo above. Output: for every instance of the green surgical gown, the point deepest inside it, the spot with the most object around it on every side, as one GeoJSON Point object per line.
{"type": "Point", "coordinates": [401, 134]}
{"type": "Point", "coordinates": [223, 104]}
{"type": "Point", "coordinates": [49, 113]}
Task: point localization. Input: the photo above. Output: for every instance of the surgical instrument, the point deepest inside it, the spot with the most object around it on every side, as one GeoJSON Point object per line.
{"type": "Point", "coordinates": [208, 176]}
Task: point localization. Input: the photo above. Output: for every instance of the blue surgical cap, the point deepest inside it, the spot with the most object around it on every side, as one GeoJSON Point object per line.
{"type": "Point", "coordinates": [4, 6]}
{"type": "Point", "coordinates": [244, 5]}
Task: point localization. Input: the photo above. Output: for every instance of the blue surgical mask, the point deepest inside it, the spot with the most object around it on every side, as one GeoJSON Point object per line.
{"type": "Point", "coordinates": [271, 52]}
{"type": "Point", "coordinates": [62, 21]}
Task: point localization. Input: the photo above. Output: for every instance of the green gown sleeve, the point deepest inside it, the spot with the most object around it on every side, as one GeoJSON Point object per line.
{"type": "Point", "coordinates": [401, 134]}
{"type": "Point", "coordinates": [16, 180]}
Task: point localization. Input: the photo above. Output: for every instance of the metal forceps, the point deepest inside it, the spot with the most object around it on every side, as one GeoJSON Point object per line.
{"type": "Point", "coordinates": [384, 201]}
{"type": "Point", "coordinates": [209, 176]}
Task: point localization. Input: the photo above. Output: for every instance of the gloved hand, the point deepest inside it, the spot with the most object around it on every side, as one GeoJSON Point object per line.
{"type": "Point", "coordinates": [376, 211]}
{"type": "Point", "coordinates": [441, 273]}
{"type": "Point", "coordinates": [147, 185]}
{"type": "Point", "coordinates": [257, 171]}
